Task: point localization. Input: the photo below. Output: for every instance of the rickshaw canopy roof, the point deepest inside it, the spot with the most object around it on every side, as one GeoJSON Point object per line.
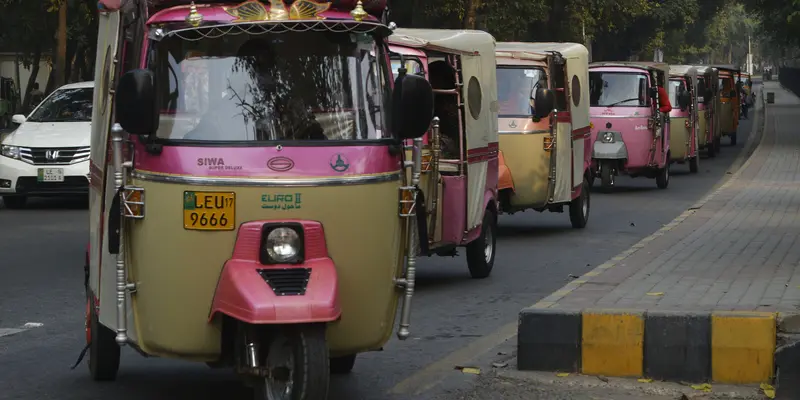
{"type": "Point", "coordinates": [683, 70]}
{"type": "Point", "coordinates": [468, 42]}
{"type": "Point", "coordinates": [540, 51]}
{"type": "Point", "coordinates": [650, 66]}
{"type": "Point", "coordinates": [726, 67]}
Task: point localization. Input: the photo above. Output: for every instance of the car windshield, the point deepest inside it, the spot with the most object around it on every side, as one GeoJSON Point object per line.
{"type": "Point", "coordinates": [514, 89]}
{"type": "Point", "coordinates": [65, 105]}
{"type": "Point", "coordinates": [277, 87]}
{"type": "Point", "coordinates": [413, 66]}
{"type": "Point", "coordinates": [617, 89]}
{"type": "Point", "coordinates": [675, 88]}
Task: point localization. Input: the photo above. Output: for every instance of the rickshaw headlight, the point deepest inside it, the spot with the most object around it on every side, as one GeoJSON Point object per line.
{"type": "Point", "coordinates": [608, 137]}
{"type": "Point", "coordinates": [282, 245]}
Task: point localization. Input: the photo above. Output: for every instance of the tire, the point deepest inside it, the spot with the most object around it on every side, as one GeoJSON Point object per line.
{"type": "Point", "coordinates": [343, 365]}
{"type": "Point", "coordinates": [694, 164]}
{"type": "Point", "coordinates": [606, 176]}
{"type": "Point", "coordinates": [310, 372]}
{"type": "Point", "coordinates": [579, 208]}
{"type": "Point", "coordinates": [103, 348]}
{"type": "Point", "coordinates": [662, 180]}
{"type": "Point", "coordinates": [15, 202]}
{"type": "Point", "coordinates": [717, 145]}
{"type": "Point", "coordinates": [733, 139]}
{"type": "Point", "coordinates": [481, 252]}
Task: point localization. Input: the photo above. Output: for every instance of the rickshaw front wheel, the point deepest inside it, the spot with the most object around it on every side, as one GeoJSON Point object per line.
{"type": "Point", "coordinates": [694, 164]}
{"type": "Point", "coordinates": [481, 251]}
{"type": "Point", "coordinates": [103, 348]}
{"type": "Point", "coordinates": [662, 179]}
{"type": "Point", "coordinates": [297, 364]}
{"type": "Point", "coordinates": [733, 139]}
{"type": "Point", "coordinates": [343, 365]}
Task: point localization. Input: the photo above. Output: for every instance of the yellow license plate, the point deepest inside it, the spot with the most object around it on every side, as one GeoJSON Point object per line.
{"type": "Point", "coordinates": [209, 211]}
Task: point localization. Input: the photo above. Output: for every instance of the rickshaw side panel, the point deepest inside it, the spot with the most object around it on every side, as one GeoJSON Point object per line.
{"type": "Point", "coordinates": [562, 192]}
{"type": "Point", "coordinates": [505, 179]}
{"type": "Point", "coordinates": [524, 154]}
{"type": "Point", "coordinates": [481, 129]}
{"type": "Point", "coordinates": [240, 292]}
{"type": "Point", "coordinates": [578, 74]}
{"type": "Point", "coordinates": [455, 213]}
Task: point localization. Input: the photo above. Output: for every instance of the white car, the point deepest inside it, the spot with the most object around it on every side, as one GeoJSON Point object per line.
{"type": "Point", "coordinates": [48, 154]}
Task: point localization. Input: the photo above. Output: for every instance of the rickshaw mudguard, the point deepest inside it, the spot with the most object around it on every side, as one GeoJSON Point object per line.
{"type": "Point", "coordinates": [245, 295]}
{"type": "Point", "coordinates": [610, 151]}
{"type": "Point", "coordinates": [505, 179]}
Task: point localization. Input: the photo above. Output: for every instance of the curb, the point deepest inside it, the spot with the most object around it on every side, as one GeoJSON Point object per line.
{"type": "Point", "coordinates": [725, 347]}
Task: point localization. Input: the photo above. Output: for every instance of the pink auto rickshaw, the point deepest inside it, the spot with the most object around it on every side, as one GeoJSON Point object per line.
{"type": "Point", "coordinates": [460, 153]}
{"type": "Point", "coordinates": [684, 121]}
{"type": "Point", "coordinates": [630, 120]}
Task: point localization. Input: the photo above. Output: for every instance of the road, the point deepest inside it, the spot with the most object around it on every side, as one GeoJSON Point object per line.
{"type": "Point", "coordinates": [41, 259]}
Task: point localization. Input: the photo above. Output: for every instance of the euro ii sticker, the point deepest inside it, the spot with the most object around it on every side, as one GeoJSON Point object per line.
{"type": "Point", "coordinates": [339, 162]}
{"type": "Point", "coordinates": [281, 201]}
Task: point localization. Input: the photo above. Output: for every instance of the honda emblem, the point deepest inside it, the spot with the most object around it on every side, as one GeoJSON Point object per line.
{"type": "Point", "coordinates": [51, 155]}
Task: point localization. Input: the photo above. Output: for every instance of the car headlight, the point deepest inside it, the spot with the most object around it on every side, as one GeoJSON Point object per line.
{"type": "Point", "coordinates": [10, 151]}
{"type": "Point", "coordinates": [282, 245]}
{"type": "Point", "coordinates": [607, 137]}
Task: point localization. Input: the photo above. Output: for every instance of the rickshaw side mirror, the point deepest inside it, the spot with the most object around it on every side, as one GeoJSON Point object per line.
{"type": "Point", "coordinates": [412, 106]}
{"type": "Point", "coordinates": [684, 99]}
{"type": "Point", "coordinates": [543, 102]}
{"type": "Point", "coordinates": [136, 102]}
{"type": "Point", "coordinates": [654, 92]}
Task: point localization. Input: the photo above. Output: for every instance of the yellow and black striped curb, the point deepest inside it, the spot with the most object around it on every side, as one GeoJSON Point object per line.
{"type": "Point", "coordinates": [726, 347]}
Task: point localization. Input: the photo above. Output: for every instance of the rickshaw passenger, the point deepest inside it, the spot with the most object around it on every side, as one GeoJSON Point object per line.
{"type": "Point", "coordinates": [442, 76]}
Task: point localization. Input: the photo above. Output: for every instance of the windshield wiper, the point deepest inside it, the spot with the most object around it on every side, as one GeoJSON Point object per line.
{"type": "Point", "coordinates": [623, 101]}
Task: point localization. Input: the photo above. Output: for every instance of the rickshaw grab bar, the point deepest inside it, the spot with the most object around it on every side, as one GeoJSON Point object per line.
{"type": "Point", "coordinates": [269, 182]}
{"type": "Point", "coordinates": [123, 286]}
{"type": "Point", "coordinates": [408, 282]}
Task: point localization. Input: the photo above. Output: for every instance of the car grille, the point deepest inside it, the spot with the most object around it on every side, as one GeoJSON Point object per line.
{"type": "Point", "coordinates": [58, 156]}
{"type": "Point", "coordinates": [71, 184]}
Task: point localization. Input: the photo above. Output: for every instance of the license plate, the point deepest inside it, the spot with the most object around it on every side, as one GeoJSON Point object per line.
{"type": "Point", "coordinates": [209, 211]}
{"type": "Point", "coordinates": [50, 175]}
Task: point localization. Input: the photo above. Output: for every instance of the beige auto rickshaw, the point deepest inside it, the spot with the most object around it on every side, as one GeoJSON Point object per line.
{"type": "Point", "coordinates": [684, 124]}
{"type": "Point", "coordinates": [460, 154]}
{"type": "Point", "coordinates": [545, 151]}
{"type": "Point", "coordinates": [729, 100]}
{"type": "Point", "coordinates": [707, 109]}
{"type": "Point", "coordinates": [250, 204]}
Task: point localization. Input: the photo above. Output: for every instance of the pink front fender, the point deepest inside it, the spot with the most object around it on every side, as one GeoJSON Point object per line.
{"type": "Point", "coordinates": [243, 294]}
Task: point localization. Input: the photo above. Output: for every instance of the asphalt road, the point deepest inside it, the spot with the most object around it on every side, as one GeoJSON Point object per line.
{"type": "Point", "coordinates": [41, 258]}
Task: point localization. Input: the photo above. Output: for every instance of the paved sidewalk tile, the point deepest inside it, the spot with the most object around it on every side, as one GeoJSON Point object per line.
{"type": "Point", "coordinates": [740, 251]}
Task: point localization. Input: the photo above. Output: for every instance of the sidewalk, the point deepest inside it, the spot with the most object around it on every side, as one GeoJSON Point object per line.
{"type": "Point", "coordinates": [701, 299]}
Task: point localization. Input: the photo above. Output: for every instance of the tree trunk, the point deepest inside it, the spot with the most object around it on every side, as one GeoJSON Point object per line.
{"type": "Point", "coordinates": [61, 53]}
{"type": "Point", "coordinates": [18, 83]}
{"type": "Point", "coordinates": [36, 60]}
{"type": "Point", "coordinates": [471, 16]}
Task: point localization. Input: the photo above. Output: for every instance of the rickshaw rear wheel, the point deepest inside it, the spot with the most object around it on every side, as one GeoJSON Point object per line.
{"type": "Point", "coordinates": [297, 364]}
{"type": "Point", "coordinates": [343, 365]}
{"type": "Point", "coordinates": [733, 139]}
{"type": "Point", "coordinates": [103, 348]}
{"type": "Point", "coordinates": [662, 180]}
{"type": "Point", "coordinates": [694, 164]}
{"type": "Point", "coordinates": [579, 208]}
{"type": "Point", "coordinates": [481, 251]}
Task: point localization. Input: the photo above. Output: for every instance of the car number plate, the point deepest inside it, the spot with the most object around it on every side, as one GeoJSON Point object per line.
{"type": "Point", "coordinates": [50, 175]}
{"type": "Point", "coordinates": [209, 211]}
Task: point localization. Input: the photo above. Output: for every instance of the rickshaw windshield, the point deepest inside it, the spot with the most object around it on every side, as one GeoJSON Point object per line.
{"type": "Point", "coordinates": [65, 105]}
{"type": "Point", "coordinates": [617, 89]}
{"type": "Point", "coordinates": [675, 87]}
{"type": "Point", "coordinates": [275, 87]}
{"type": "Point", "coordinates": [515, 87]}
{"type": "Point", "coordinates": [413, 66]}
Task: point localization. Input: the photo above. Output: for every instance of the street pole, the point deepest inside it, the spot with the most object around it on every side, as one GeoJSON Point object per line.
{"type": "Point", "coordinates": [749, 56]}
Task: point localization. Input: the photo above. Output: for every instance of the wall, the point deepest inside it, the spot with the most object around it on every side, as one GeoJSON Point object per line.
{"type": "Point", "coordinates": [8, 70]}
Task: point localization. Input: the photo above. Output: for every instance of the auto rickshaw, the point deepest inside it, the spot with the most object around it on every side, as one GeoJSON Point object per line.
{"type": "Point", "coordinates": [460, 157]}
{"type": "Point", "coordinates": [630, 120]}
{"type": "Point", "coordinates": [730, 106]}
{"type": "Point", "coordinates": [708, 104]}
{"type": "Point", "coordinates": [684, 124]}
{"type": "Point", "coordinates": [545, 148]}
{"type": "Point", "coordinates": [249, 205]}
